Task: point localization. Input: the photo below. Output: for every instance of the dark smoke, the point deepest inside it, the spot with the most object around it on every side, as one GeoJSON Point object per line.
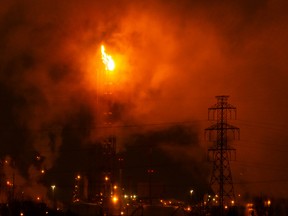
{"type": "Point", "coordinates": [175, 156]}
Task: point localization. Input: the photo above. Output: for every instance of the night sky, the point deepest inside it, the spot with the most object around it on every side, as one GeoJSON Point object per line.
{"type": "Point", "coordinates": [172, 59]}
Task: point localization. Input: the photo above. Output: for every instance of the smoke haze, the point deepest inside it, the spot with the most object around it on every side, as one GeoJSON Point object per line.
{"type": "Point", "coordinates": [172, 58]}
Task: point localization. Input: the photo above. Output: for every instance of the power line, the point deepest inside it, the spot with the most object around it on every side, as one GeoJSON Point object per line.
{"type": "Point", "coordinates": [262, 181]}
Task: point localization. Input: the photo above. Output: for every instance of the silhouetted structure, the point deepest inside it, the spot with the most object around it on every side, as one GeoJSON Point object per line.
{"type": "Point", "coordinates": [108, 138]}
{"type": "Point", "coordinates": [221, 179]}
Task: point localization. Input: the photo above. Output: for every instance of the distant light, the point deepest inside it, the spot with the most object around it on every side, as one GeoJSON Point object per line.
{"type": "Point", "coordinates": [78, 177]}
{"type": "Point", "coordinates": [53, 187]}
{"type": "Point", "coordinates": [249, 205]}
{"type": "Point", "coordinates": [21, 213]}
{"type": "Point", "coordinates": [106, 178]}
{"type": "Point", "coordinates": [232, 202]}
{"type": "Point", "coordinates": [191, 192]}
{"type": "Point", "coordinates": [269, 202]}
{"type": "Point", "coordinates": [226, 207]}
{"type": "Point", "coordinates": [115, 187]}
{"type": "Point", "coordinates": [115, 199]}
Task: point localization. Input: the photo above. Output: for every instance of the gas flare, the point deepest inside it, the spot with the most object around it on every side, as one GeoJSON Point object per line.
{"type": "Point", "coordinates": [107, 60]}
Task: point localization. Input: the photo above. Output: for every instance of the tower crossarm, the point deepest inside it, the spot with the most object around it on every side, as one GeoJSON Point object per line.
{"type": "Point", "coordinates": [220, 127]}
{"type": "Point", "coordinates": [221, 106]}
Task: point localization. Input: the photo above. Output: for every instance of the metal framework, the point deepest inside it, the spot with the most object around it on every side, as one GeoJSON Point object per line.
{"type": "Point", "coordinates": [221, 179]}
{"type": "Point", "coordinates": [108, 143]}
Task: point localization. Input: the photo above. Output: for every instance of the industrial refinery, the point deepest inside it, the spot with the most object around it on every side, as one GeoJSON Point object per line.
{"type": "Point", "coordinates": [143, 108]}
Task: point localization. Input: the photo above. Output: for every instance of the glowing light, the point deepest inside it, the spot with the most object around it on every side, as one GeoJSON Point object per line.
{"type": "Point", "coordinates": [115, 199]}
{"type": "Point", "coordinates": [226, 207]}
{"type": "Point", "coordinates": [78, 177]}
{"type": "Point", "coordinates": [9, 183]}
{"type": "Point", "coordinates": [232, 202]}
{"type": "Point", "coordinates": [249, 205]}
{"type": "Point", "coordinates": [42, 171]}
{"type": "Point", "coordinates": [107, 60]}
{"type": "Point", "coordinates": [106, 178]}
{"type": "Point", "coordinates": [269, 202]}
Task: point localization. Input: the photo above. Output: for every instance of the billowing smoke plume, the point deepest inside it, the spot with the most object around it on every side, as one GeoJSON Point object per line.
{"type": "Point", "coordinates": [172, 58]}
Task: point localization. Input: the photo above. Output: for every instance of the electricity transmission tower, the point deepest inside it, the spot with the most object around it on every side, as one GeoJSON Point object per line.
{"type": "Point", "coordinates": [221, 179]}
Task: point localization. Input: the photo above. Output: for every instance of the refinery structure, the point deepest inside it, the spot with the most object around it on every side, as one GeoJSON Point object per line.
{"type": "Point", "coordinates": [101, 191]}
{"type": "Point", "coordinates": [104, 194]}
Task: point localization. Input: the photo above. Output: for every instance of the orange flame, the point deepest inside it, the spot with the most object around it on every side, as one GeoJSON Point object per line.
{"type": "Point", "coordinates": [107, 60]}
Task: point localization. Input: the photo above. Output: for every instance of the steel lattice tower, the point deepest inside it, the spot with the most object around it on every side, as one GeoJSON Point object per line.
{"type": "Point", "coordinates": [221, 179]}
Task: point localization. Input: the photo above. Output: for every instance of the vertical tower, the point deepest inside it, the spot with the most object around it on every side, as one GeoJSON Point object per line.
{"type": "Point", "coordinates": [109, 138]}
{"type": "Point", "coordinates": [221, 179]}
